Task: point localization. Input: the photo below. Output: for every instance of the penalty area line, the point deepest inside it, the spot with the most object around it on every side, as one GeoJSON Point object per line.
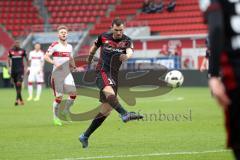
{"type": "Point", "coordinates": [148, 155]}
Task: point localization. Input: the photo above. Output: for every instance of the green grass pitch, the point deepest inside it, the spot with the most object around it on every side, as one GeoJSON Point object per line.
{"type": "Point", "coordinates": [27, 132]}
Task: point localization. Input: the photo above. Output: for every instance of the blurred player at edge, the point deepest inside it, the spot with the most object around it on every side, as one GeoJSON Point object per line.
{"type": "Point", "coordinates": [224, 33]}
{"type": "Point", "coordinates": [16, 66]}
{"type": "Point", "coordinates": [62, 60]}
{"type": "Point", "coordinates": [36, 61]}
{"type": "Point", "coordinates": [116, 47]}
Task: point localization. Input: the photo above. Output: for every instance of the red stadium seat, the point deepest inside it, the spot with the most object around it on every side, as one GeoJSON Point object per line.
{"type": "Point", "coordinates": [76, 11]}
{"type": "Point", "coordinates": [17, 14]}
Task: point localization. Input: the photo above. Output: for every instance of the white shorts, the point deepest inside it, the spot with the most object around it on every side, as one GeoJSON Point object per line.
{"type": "Point", "coordinates": [63, 85]}
{"type": "Point", "coordinates": [35, 77]}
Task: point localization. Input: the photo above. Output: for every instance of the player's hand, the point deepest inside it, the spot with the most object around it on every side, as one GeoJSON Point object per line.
{"type": "Point", "coordinates": [89, 59]}
{"type": "Point", "coordinates": [123, 57]}
{"type": "Point", "coordinates": [218, 91]}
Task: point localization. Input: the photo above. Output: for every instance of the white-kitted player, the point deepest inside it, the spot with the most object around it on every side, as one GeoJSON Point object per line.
{"type": "Point", "coordinates": [62, 80]}
{"type": "Point", "coordinates": [36, 61]}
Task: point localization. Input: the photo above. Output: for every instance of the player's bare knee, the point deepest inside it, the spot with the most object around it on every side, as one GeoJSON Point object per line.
{"type": "Point", "coordinates": [105, 109]}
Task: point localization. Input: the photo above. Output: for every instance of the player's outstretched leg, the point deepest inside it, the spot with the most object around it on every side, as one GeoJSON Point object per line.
{"type": "Point", "coordinates": [30, 91]}
{"type": "Point", "coordinates": [56, 105]}
{"type": "Point", "coordinates": [126, 116]}
{"type": "Point", "coordinates": [98, 120]}
{"type": "Point", "coordinates": [114, 103]}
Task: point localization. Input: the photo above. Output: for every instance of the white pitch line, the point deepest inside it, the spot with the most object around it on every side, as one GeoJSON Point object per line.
{"type": "Point", "coordinates": [169, 99]}
{"type": "Point", "coordinates": [147, 155]}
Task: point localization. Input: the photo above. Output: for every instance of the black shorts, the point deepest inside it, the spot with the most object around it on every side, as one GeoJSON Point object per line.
{"type": "Point", "coordinates": [17, 76]}
{"type": "Point", "coordinates": [104, 79]}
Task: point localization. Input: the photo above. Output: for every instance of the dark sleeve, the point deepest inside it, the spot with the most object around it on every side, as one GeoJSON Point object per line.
{"type": "Point", "coordinates": [129, 44]}
{"type": "Point", "coordinates": [214, 17]}
{"type": "Point", "coordinates": [98, 41]}
{"type": "Point", "coordinates": [207, 54]}
{"type": "Point", "coordinates": [25, 55]}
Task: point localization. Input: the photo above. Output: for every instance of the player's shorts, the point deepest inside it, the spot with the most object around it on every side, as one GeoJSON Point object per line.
{"type": "Point", "coordinates": [36, 77]}
{"type": "Point", "coordinates": [103, 79]}
{"type": "Point", "coordinates": [63, 85]}
{"type": "Point", "coordinates": [17, 76]}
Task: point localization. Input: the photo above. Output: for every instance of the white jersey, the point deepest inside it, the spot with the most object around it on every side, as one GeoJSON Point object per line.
{"type": "Point", "coordinates": [60, 53]}
{"type": "Point", "coordinates": [37, 60]}
{"type": "Point", "coordinates": [62, 79]}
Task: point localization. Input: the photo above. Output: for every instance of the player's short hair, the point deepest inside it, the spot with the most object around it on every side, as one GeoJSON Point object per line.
{"type": "Point", "coordinates": [117, 21]}
{"type": "Point", "coordinates": [62, 27]}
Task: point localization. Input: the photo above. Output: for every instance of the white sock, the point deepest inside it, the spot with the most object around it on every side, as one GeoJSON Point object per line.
{"type": "Point", "coordinates": [30, 90]}
{"type": "Point", "coordinates": [56, 106]}
{"type": "Point", "coordinates": [39, 90]}
{"type": "Point", "coordinates": [68, 105]}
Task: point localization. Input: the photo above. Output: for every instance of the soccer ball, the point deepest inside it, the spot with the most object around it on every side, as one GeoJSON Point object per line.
{"type": "Point", "coordinates": [174, 78]}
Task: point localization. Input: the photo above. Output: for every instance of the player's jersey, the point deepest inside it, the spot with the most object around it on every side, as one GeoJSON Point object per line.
{"type": "Point", "coordinates": [37, 59]}
{"type": "Point", "coordinates": [231, 12]}
{"type": "Point", "coordinates": [60, 53]}
{"type": "Point", "coordinates": [110, 52]}
{"type": "Point", "coordinates": [17, 55]}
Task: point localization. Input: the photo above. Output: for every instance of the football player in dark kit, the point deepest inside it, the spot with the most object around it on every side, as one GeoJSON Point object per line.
{"type": "Point", "coordinates": [115, 48]}
{"type": "Point", "coordinates": [223, 19]}
{"type": "Point", "coordinates": [16, 57]}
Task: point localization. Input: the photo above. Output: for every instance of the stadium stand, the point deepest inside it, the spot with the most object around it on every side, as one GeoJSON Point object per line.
{"type": "Point", "coordinates": [186, 19]}
{"type": "Point", "coordinates": [18, 17]}
{"type": "Point", "coordinates": [77, 11]}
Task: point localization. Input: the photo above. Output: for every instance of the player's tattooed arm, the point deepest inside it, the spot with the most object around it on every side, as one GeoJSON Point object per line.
{"type": "Point", "coordinates": [125, 57]}
{"type": "Point", "coordinates": [92, 52]}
